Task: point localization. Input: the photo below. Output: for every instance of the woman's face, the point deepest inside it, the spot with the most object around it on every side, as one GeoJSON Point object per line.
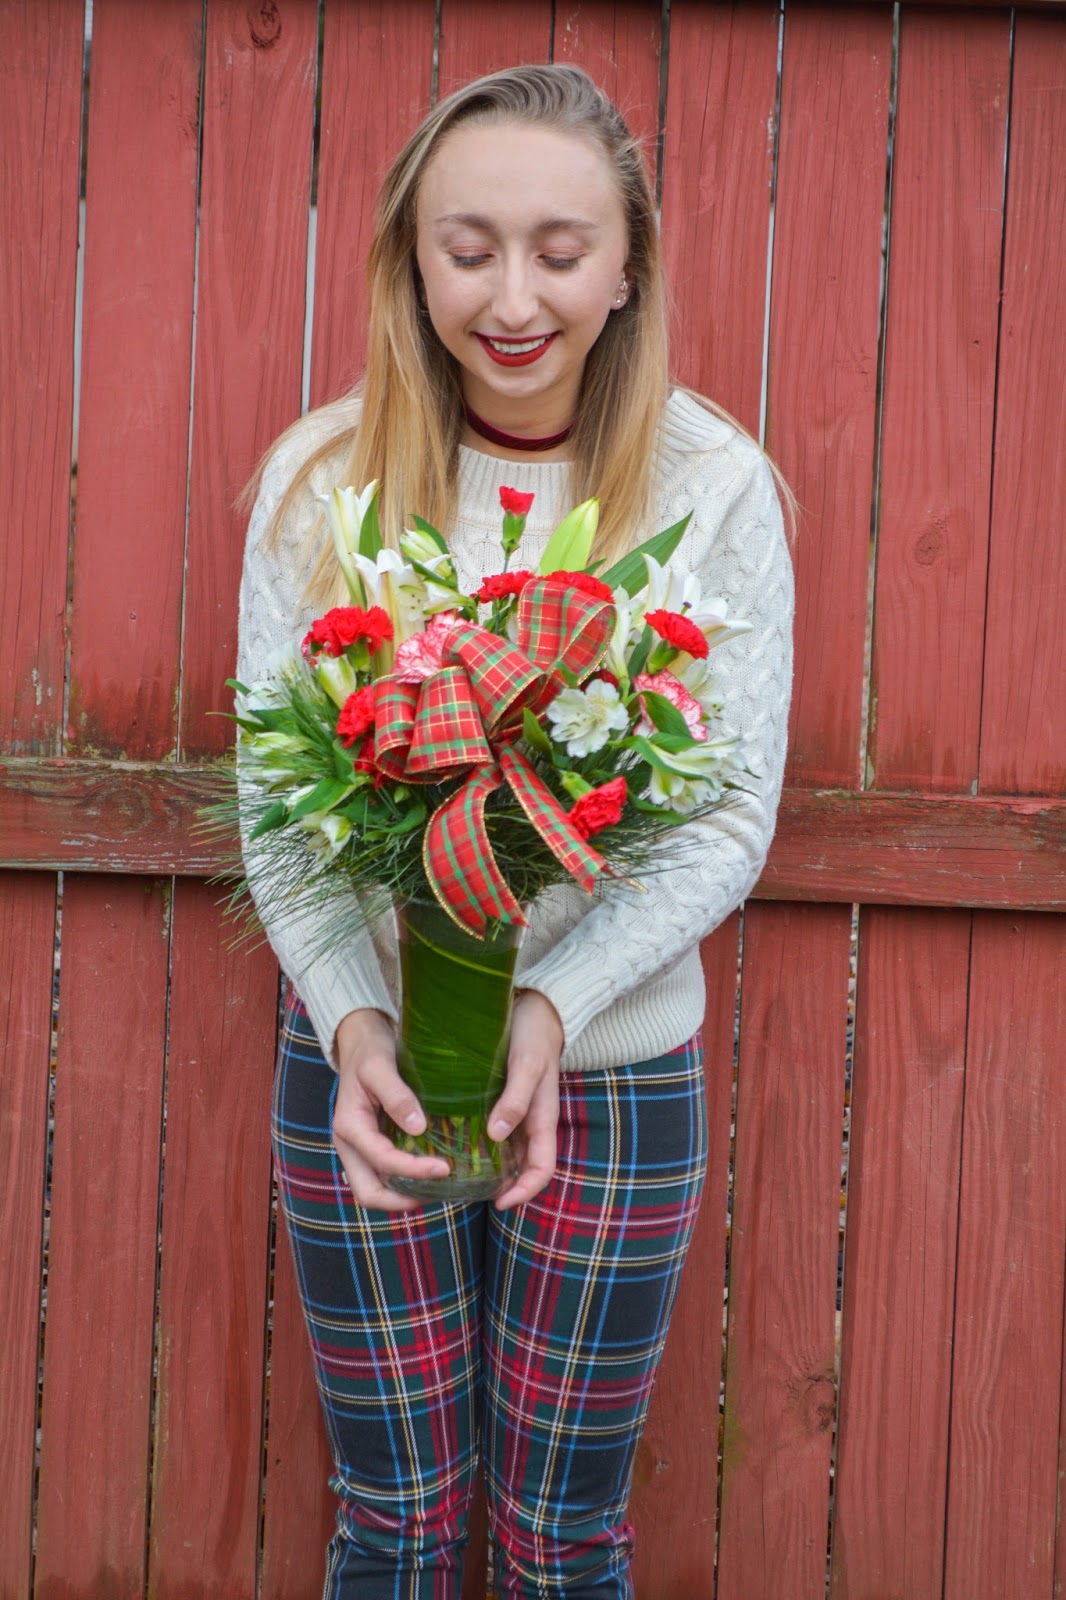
{"type": "Point", "coordinates": [521, 244]}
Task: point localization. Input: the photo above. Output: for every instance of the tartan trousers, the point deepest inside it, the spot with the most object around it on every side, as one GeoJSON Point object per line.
{"type": "Point", "coordinates": [528, 1339]}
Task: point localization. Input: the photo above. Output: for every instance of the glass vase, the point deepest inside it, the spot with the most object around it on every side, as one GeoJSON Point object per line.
{"type": "Point", "coordinates": [455, 1024]}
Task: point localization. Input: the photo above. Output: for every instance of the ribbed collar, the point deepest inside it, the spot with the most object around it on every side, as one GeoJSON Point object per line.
{"type": "Point", "coordinates": [687, 426]}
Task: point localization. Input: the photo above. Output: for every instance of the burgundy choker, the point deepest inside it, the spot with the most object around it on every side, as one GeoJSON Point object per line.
{"type": "Point", "coordinates": [511, 441]}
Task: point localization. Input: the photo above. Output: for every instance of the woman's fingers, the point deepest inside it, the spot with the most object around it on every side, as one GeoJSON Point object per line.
{"type": "Point", "coordinates": [368, 1080]}
{"type": "Point", "coordinates": [537, 1140]}
{"type": "Point", "coordinates": [530, 1101]}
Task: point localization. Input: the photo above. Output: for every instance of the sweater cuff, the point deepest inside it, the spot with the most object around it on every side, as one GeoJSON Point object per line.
{"type": "Point", "coordinates": [330, 989]}
{"type": "Point", "coordinates": [572, 988]}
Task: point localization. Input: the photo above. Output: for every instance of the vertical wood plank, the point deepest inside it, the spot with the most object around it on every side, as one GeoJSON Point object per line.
{"type": "Point", "coordinates": [27, 927]}
{"type": "Point", "coordinates": [780, 1372]}
{"type": "Point", "coordinates": [617, 42]}
{"type": "Point", "coordinates": [1005, 1397]}
{"type": "Point", "coordinates": [717, 167]}
{"type": "Point", "coordinates": [361, 132]}
{"type": "Point", "coordinates": [40, 115]}
{"type": "Point", "coordinates": [822, 380]}
{"type": "Point", "coordinates": [136, 352]}
{"type": "Point", "coordinates": [479, 36]}
{"type": "Point", "coordinates": [259, 87]}
{"type": "Point", "coordinates": [1022, 749]}
{"type": "Point", "coordinates": [940, 372]}
{"type": "Point", "coordinates": [212, 1295]}
{"type": "Point", "coordinates": [674, 1508]}
{"type": "Point", "coordinates": [899, 1275]}
{"type": "Point", "coordinates": [101, 1278]}
{"type": "Point", "coordinates": [299, 1507]}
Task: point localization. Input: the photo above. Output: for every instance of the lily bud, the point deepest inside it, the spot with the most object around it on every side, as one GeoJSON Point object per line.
{"type": "Point", "coordinates": [336, 675]}
{"type": "Point", "coordinates": [345, 510]}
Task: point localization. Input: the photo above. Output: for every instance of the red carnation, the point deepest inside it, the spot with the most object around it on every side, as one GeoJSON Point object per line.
{"type": "Point", "coordinates": [514, 501]}
{"type": "Point", "coordinates": [678, 631]}
{"type": "Point", "coordinates": [342, 626]}
{"type": "Point", "coordinates": [587, 583]}
{"type": "Point", "coordinates": [366, 760]}
{"type": "Point", "coordinates": [600, 808]}
{"type": "Point", "coordinates": [357, 715]}
{"type": "Point", "coordinates": [502, 584]}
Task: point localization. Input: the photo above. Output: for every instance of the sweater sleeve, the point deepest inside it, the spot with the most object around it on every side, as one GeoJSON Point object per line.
{"type": "Point", "coordinates": [714, 862]}
{"type": "Point", "coordinates": [347, 976]}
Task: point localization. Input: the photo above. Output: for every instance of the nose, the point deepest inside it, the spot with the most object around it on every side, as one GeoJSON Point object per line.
{"type": "Point", "coordinates": [514, 300]}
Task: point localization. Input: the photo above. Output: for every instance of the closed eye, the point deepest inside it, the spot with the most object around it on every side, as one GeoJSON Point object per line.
{"type": "Point", "coordinates": [469, 261]}
{"type": "Point", "coordinates": [561, 263]}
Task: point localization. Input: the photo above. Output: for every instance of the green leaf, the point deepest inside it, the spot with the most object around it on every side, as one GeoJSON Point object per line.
{"type": "Point", "coordinates": [652, 755]}
{"type": "Point", "coordinates": [237, 687]}
{"type": "Point", "coordinates": [273, 817]}
{"type": "Point", "coordinates": [657, 811]}
{"type": "Point", "coordinates": [570, 545]}
{"type": "Point", "coordinates": [666, 717]}
{"type": "Point", "coordinates": [370, 532]}
{"type": "Point", "coordinates": [534, 734]}
{"type": "Point", "coordinates": [323, 797]}
{"type": "Point", "coordinates": [431, 532]}
{"type": "Point", "coordinates": [640, 654]}
{"type": "Point", "coordinates": [630, 573]}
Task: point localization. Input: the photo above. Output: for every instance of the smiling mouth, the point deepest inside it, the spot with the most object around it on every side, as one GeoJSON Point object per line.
{"type": "Point", "coordinates": [516, 352]}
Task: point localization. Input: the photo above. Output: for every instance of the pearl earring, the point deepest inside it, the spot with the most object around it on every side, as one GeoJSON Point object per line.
{"type": "Point", "coordinates": [620, 297]}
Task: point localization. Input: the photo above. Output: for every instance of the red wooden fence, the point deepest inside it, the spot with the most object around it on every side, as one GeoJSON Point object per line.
{"type": "Point", "coordinates": [880, 1415]}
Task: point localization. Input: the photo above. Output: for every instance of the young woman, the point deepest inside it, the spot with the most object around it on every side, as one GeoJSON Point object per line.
{"type": "Point", "coordinates": [516, 336]}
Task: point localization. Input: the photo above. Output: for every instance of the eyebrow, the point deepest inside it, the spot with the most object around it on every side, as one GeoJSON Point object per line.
{"type": "Point", "coordinates": [472, 219]}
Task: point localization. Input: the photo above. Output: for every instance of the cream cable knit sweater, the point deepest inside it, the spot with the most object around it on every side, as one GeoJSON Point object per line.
{"type": "Point", "coordinates": [621, 967]}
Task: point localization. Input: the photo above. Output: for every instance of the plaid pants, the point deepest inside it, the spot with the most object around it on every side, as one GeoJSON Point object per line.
{"type": "Point", "coordinates": [528, 1338]}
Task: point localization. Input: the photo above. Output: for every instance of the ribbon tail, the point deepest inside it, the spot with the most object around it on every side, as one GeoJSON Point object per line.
{"type": "Point", "coordinates": [550, 820]}
{"type": "Point", "coordinates": [460, 866]}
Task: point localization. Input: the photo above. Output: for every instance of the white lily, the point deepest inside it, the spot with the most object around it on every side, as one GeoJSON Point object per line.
{"type": "Point", "coordinates": [418, 546]}
{"type": "Point", "coordinates": [671, 590]}
{"type": "Point", "coordinates": [390, 582]}
{"type": "Point", "coordinates": [696, 776]}
{"type": "Point", "coordinates": [584, 719]}
{"type": "Point", "coordinates": [345, 510]}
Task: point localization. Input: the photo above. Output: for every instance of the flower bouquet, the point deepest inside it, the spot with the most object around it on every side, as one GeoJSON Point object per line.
{"type": "Point", "coordinates": [452, 755]}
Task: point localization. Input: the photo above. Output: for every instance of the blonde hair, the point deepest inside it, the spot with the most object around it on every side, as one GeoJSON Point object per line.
{"type": "Point", "coordinates": [403, 421]}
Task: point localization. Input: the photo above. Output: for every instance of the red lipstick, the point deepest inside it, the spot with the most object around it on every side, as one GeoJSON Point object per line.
{"type": "Point", "coordinates": [519, 358]}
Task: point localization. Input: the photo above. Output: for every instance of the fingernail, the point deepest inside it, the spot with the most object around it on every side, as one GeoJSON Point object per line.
{"type": "Point", "coordinates": [499, 1130]}
{"type": "Point", "coordinates": [413, 1123]}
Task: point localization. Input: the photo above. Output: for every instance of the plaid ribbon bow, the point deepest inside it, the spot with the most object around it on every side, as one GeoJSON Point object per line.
{"type": "Point", "coordinates": [460, 721]}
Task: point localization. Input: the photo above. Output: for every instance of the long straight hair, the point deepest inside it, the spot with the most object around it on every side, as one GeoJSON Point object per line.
{"type": "Point", "coordinates": [402, 422]}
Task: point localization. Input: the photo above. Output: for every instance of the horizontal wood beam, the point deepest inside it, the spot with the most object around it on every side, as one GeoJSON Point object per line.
{"type": "Point", "coordinates": [1005, 852]}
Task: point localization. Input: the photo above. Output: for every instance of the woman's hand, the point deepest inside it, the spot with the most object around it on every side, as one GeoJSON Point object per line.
{"type": "Point", "coordinates": [366, 1055]}
{"type": "Point", "coordinates": [529, 1106]}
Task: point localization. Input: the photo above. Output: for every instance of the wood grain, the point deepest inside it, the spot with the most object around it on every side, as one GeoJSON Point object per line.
{"type": "Point", "coordinates": [259, 89]}
{"type": "Point", "coordinates": [40, 115]}
{"type": "Point", "coordinates": [479, 36]}
{"type": "Point", "coordinates": [27, 931]}
{"type": "Point", "coordinates": [821, 413]}
{"type": "Point", "coordinates": [1002, 1507]}
{"type": "Point", "coordinates": [940, 375]}
{"type": "Point", "coordinates": [617, 44]}
{"type": "Point", "coordinates": [366, 42]}
{"type": "Point", "coordinates": [1022, 745]}
{"type": "Point", "coordinates": [102, 1259]}
{"type": "Point", "coordinates": [717, 166]}
{"type": "Point", "coordinates": [831, 845]}
{"type": "Point", "coordinates": [780, 1356]}
{"type": "Point", "coordinates": [140, 237]}
{"type": "Point", "coordinates": [899, 1254]}
{"type": "Point", "coordinates": [207, 1461]}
